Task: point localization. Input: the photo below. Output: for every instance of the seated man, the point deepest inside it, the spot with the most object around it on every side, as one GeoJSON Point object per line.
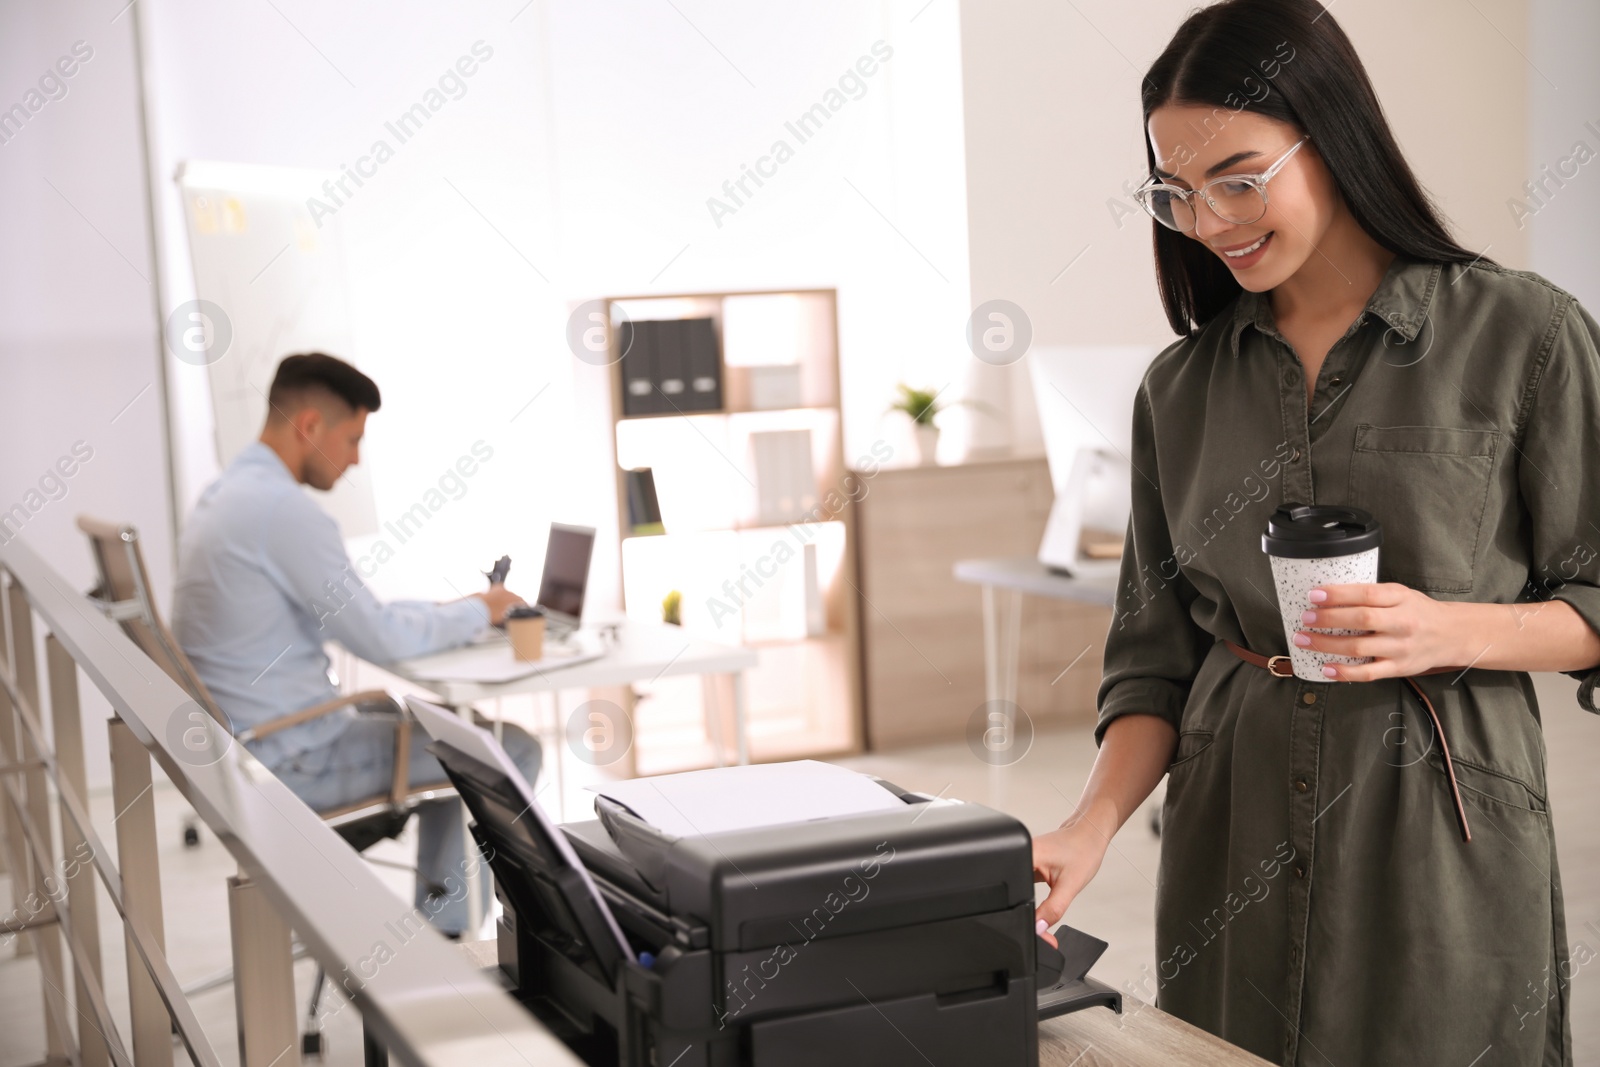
{"type": "Point", "coordinates": [264, 580]}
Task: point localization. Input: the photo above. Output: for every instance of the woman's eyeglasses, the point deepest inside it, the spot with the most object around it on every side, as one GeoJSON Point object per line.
{"type": "Point", "coordinates": [1236, 198]}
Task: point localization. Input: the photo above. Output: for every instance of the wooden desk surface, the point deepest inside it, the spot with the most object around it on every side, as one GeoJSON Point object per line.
{"type": "Point", "coordinates": [1142, 1036]}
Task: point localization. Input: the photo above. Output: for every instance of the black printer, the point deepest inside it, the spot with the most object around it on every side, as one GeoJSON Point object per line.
{"type": "Point", "coordinates": [905, 936]}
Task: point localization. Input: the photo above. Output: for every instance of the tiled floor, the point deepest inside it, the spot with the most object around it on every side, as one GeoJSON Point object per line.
{"type": "Point", "coordinates": [1039, 790]}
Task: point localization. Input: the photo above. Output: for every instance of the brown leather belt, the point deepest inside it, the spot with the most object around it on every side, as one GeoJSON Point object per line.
{"type": "Point", "coordinates": [1279, 667]}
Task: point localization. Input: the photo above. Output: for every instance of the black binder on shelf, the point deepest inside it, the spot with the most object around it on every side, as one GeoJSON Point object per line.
{"type": "Point", "coordinates": [644, 510]}
{"type": "Point", "coordinates": [636, 343]}
{"type": "Point", "coordinates": [670, 367]}
{"type": "Point", "coordinates": [702, 365]}
{"type": "Point", "coordinates": [670, 378]}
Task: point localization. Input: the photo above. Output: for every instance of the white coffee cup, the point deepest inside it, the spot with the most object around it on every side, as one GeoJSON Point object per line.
{"type": "Point", "coordinates": [1314, 545]}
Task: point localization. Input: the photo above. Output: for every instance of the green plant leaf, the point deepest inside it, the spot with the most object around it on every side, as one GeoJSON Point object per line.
{"type": "Point", "coordinates": [922, 405]}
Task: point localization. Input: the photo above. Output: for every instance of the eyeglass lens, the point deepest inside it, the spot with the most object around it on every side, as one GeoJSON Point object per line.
{"type": "Point", "coordinates": [1237, 202]}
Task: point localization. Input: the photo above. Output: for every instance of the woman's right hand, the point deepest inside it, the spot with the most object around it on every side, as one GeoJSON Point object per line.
{"type": "Point", "coordinates": [1133, 757]}
{"type": "Point", "coordinates": [1066, 859]}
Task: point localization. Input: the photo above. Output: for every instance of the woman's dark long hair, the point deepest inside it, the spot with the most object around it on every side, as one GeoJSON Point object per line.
{"type": "Point", "coordinates": [1287, 60]}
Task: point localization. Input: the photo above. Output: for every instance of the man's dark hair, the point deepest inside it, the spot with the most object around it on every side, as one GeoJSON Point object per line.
{"type": "Point", "coordinates": [1316, 83]}
{"type": "Point", "coordinates": [302, 377]}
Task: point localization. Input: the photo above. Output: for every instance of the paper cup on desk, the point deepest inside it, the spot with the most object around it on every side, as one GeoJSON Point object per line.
{"type": "Point", "coordinates": [525, 629]}
{"type": "Point", "coordinates": [1313, 545]}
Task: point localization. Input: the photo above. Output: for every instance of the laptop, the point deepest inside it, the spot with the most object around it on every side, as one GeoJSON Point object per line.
{"type": "Point", "coordinates": [566, 578]}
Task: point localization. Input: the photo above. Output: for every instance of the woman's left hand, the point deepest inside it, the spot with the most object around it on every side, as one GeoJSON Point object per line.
{"type": "Point", "coordinates": [1410, 631]}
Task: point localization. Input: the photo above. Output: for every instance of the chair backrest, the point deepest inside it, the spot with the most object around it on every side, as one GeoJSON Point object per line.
{"type": "Point", "coordinates": [124, 593]}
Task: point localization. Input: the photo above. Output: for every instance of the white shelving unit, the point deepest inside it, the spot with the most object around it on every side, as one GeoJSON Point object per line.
{"type": "Point", "coordinates": [759, 539]}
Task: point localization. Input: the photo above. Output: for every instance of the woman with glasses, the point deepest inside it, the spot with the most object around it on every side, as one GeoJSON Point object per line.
{"type": "Point", "coordinates": [1352, 871]}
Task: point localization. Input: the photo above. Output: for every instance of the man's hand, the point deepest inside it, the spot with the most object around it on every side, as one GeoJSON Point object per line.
{"type": "Point", "coordinates": [499, 599]}
{"type": "Point", "coordinates": [1410, 631]}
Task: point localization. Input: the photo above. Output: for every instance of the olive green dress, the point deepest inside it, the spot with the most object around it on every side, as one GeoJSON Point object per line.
{"type": "Point", "coordinates": [1316, 903]}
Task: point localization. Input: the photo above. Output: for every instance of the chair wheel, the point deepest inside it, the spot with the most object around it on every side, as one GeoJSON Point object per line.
{"type": "Point", "coordinates": [313, 1045]}
{"type": "Point", "coordinates": [191, 837]}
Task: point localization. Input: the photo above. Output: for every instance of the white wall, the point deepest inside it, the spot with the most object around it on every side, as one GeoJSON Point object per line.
{"type": "Point", "coordinates": [1564, 128]}
{"type": "Point", "coordinates": [77, 310]}
{"type": "Point", "coordinates": [78, 340]}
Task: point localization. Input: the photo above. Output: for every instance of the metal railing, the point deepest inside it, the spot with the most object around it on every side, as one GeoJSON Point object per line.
{"type": "Point", "coordinates": [419, 998]}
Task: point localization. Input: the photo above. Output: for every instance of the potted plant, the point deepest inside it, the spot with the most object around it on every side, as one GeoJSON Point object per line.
{"type": "Point", "coordinates": [922, 407]}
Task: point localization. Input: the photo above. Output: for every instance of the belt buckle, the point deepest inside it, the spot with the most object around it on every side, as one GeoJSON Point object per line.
{"type": "Point", "coordinates": [1273, 663]}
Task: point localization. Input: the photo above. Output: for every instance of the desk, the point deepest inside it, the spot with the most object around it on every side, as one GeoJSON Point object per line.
{"type": "Point", "coordinates": [1142, 1036]}
{"type": "Point", "coordinates": [1016, 577]}
{"type": "Point", "coordinates": [638, 652]}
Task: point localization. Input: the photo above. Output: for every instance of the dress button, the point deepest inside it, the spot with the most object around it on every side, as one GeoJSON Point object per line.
{"type": "Point", "coordinates": [1308, 698]}
{"type": "Point", "coordinates": [1294, 456]}
{"type": "Point", "coordinates": [1336, 381]}
{"type": "Point", "coordinates": [1299, 872]}
{"type": "Point", "coordinates": [1300, 785]}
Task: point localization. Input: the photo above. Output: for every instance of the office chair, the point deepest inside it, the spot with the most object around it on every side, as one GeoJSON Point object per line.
{"type": "Point", "coordinates": [124, 595]}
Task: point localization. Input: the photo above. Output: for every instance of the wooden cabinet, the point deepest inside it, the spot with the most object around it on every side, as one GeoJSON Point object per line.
{"type": "Point", "coordinates": [922, 630]}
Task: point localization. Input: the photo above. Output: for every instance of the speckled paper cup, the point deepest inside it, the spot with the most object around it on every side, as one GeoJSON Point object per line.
{"type": "Point", "coordinates": [1312, 545]}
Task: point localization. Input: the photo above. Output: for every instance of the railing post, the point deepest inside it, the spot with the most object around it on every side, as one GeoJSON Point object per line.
{"type": "Point", "coordinates": [9, 828]}
{"type": "Point", "coordinates": [46, 939]}
{"type": "Point", "coordinates": [12, 823]}
{"type": "Point", "coordinates": [141, 891]}
{"type": "Point", "coordinates": [263, 979]}
{"type": "Point", "coordinates": [17, 846]}
{"type": "Point", "coordinates": [76, 861]}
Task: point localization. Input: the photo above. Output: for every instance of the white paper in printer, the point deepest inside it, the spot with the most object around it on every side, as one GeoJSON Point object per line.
{"type": "Point", "coordinates": [726, 799]}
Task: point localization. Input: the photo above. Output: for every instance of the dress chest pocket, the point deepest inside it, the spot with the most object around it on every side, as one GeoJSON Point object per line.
{"type": "Point", "coordinates": [1428, 486]}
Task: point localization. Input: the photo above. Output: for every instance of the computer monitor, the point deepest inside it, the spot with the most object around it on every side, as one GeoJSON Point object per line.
{"type": "Point", "coordinates": [566, 573]}
{"type": "Point", "coordinates": [1085, 396]}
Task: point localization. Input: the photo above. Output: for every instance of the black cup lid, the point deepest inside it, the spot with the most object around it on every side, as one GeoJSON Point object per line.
{"type": "Point", "coordinates": [525, 611]}
{"type": "Point", "coordinates": [1311, 531]}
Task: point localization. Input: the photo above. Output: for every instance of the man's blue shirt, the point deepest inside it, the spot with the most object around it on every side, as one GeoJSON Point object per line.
{"type": "Point", "coordinates": [263, 581]}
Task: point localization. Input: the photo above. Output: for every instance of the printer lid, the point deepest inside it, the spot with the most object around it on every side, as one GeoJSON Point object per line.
{"type": "Point", "coordinates": [553, 894]}
{"type": "Point", "coordinates": [533, 861]}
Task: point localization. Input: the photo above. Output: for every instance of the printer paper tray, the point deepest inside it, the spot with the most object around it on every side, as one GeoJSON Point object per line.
{"type": "Point", "coordinates": [1073, 995]}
